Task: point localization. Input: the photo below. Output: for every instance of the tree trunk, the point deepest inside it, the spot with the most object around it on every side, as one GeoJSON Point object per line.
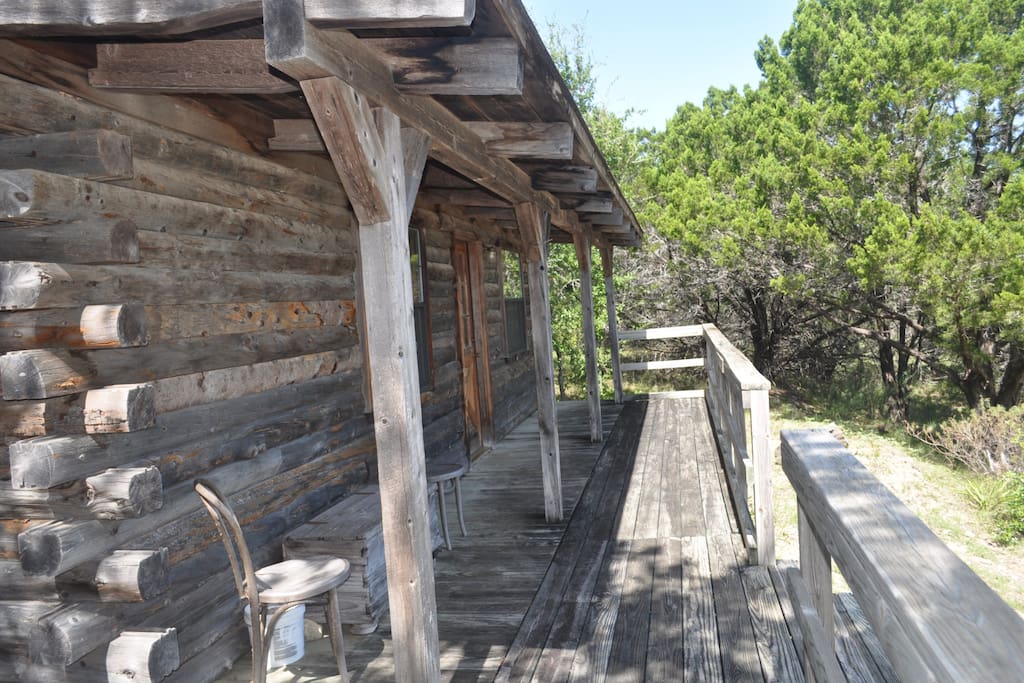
{"type": "Point", "coordinates": [1013, 378]}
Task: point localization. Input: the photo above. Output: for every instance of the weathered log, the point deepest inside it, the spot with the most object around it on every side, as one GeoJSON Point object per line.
{"type": "Point", "coordinates": [161, 249]}
{"type": "Point", "coordinates": [94, 240]}
{"type": "Point", "coordinates": [142, 657]}
{"type": "Point", "coordinates": [91, 154]}
{"type": "Point", "coordinates": [44, 373]}
{"type": "Point", "coordinates": [168, 323]}
{"type": "Point", "coordinates": [17, 618]}
{"type": "Point", "coordinates": [10, 529]}
{"type": "Point", "coordinates": [28, 196]}
{"type": "Point", "coordinates": [112, 494]}
{"type": "Point", "coordinates": [113, 409]}
{"type": "Point", "coordinates": [176, 393]}
{"type": "Point", "coordinates": [125, 492]}
{"type": "Point", "coordinates": [175, 163]}
{"type": "Point", "coordinates": [122, 576]}
{"type": "Point", "coordinates": [49, 285]}
{"type": "Point", "coordinates": [67, 634]}
{"type": "Point", "coordinates": [55, 547]}
{"type": "Point", "coordinates": [120, 408]}
{"type": "Point", "coordinates": [189, 441]}
{"type": "Point", "coordinates": [98, 326]}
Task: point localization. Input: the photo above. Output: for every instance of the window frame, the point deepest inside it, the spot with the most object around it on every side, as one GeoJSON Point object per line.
{"type": "Point", "coordinates": [513, 350]}
{"type": "Point", "coordinates": [421, 309]}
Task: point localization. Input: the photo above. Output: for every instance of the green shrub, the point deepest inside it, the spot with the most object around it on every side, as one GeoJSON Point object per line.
{"type": "Point", "coordinates": [1009, 520]}
{"type": "Point", "coordinates": [990, 441]}
{"type": "Point", "coordinates": [988, 495]}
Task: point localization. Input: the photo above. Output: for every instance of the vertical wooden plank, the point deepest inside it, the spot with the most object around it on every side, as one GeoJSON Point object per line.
{"type": "Point", "coordinates": [534, 225]}
{"type": "Point", "coordinates": [665, 642]}
{"type": "Point", "coordinates": [702, 659]}
{"type": "Point", "coordinates": [816, 568]}
{"type": "Point", "coordinates": [740, 661]}
{"type": "Point", "coordinates": [583, 258]}
{"type": "Point", "coordinates": [478, 293]}
{"type": "Point", "coordinates": [607, 265]}
{"type": "Point", "coordinates": [760, 453]}
{"type": "Point", "coordinates": [779, 659]}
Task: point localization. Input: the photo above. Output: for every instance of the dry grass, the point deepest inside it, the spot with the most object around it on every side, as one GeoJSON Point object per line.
{"type": "Point", "coordinates": [931, 489]}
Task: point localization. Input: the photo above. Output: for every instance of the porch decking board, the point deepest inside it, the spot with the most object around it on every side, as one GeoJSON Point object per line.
{"type": "Point", "coordinates": [644, 581]}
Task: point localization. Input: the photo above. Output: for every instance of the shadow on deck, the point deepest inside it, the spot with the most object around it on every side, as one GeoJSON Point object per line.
{"type": "Point", "coordinates": [646, 580]}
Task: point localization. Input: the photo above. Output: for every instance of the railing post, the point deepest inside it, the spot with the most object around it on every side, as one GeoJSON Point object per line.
{"type": "Point", "coordinates": [760, 454]}
{"type": "Point", "coordinates": [613, 330]}
{"type": "Point", "coordinates": [816, 567]}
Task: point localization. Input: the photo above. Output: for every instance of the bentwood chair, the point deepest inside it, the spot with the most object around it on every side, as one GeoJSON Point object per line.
{"type": "Point", "coordinates": [284, 585]}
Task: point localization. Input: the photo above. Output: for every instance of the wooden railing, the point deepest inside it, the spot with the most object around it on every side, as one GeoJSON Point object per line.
{"type": "Point", "coordinates": [936, 620]}
{"type": "Point", "coordinates": [737, 398]}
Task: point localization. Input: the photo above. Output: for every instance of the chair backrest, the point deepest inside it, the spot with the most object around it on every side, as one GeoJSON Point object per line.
{"type": "Point", "coordinates": [234, 542]}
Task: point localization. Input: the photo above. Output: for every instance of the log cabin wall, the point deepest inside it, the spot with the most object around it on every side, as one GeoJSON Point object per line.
{"type": "Point", "coordinates": [192, 312]}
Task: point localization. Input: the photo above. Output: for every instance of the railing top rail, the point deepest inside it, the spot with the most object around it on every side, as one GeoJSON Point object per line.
{"type": "Point", "coordinates": [662, 333]}
{"type": "Point", "coordinates": [744, 371]}
{"type": "Point", "coordinates": [935, 617]}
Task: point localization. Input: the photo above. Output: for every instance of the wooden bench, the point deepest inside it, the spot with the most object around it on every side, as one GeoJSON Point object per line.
{"type": "Point", "coordinates": [351, 529]}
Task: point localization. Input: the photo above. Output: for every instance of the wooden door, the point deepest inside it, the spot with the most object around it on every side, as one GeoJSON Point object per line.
{"type": "Point", "coordinates": [471, 305]}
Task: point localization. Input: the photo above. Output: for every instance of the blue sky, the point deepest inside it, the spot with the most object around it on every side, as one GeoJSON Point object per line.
{"type": "Point", "coordinates": [658, 54]}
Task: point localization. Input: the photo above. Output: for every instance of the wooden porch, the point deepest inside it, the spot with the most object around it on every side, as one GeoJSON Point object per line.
{"type": "Point", "coordinates": [646, 580]}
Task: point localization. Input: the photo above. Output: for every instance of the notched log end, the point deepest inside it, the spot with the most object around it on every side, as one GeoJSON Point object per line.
{"type": "Point", "coordinates": [16, 193]}
{"type": "Point", "coordinates": [22, 283]}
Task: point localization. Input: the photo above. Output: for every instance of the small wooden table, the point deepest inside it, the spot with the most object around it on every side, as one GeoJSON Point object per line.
{"type": "Point", "coordinates": [439, 473]}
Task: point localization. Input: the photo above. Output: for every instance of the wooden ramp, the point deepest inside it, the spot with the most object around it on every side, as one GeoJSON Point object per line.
{"type": "Point", "coordinates": [646, 581]}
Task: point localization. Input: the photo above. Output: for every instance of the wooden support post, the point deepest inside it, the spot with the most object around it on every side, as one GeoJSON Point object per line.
{"type": "Point", "coordinates": [816, 567]}
{"type": "Point", "coordinates": [607, 266]}
{"type": "Point", "coordinates": [369, 155]}
{"type": "Point", "coordinates": [583, 257]}
{"type": "Point", "coordinates": [534, 227]}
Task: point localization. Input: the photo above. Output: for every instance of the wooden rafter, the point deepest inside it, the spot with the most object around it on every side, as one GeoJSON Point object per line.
{"type": "Point", "coordinates": [526, 140]}
{"type": "Point", "coordinates": [302, 51]}
{"type": "Point", "coordinates": [453, 66]}
{"type": "Point", "coordinates": [119, 17]}
{"type": "Point", "coordinates": [393, 14]}
{"type": "Point", "coordinates": [198, 66]}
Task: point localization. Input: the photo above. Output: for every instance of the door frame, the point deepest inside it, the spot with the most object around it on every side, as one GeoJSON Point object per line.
{"type": "Point", "coordinates": [478, 309]}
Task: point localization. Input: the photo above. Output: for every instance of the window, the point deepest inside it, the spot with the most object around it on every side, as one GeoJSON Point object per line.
{"type": "Point", "coordinates": [417, 264]}
{"type": "Point", "coordinates": [512, 302]}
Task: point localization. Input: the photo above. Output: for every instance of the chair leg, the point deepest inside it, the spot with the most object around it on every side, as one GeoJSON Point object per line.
{"type": "Point", "coordinates": [443, 510]}
{"type": "Point", "coordinates": [458, 504]}
{"type": "Point", "coordinates": [335, 628]}
{"type": "Point", "coordinates": [259, 643]}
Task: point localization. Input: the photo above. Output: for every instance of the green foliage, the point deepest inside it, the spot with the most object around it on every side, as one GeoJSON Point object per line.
{"type": "Point", "coordinates": [1009, 520]}
{"type": "Point", "coordinates": [870, 188]}
{"type": "Point", "coordinates": [625, 149]}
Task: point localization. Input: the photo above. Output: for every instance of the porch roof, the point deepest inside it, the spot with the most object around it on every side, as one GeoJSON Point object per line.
{"type": "Point", "coordinates": [474, 75]}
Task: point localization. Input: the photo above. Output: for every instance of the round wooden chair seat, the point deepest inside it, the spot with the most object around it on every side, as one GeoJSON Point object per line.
{"type": "Point", "coordinates": [301, 579]}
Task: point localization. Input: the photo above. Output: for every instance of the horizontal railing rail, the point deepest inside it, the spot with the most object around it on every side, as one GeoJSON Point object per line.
{"type": "Point", "coordinates": [737, 398]}
{"type": "Point", "coordinates": [935, 618]}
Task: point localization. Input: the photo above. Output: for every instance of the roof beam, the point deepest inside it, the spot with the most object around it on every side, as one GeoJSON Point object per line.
{"type": "Point", "coordinates": [296, 135]}
{"type": "Point", "coordinates": [515, 140]}
{"type": "Point", "coordinates": [198, 66]}
{"type": "Point", "coordinates": [565, 179]}
{"type": "Point", "coordinates": [105, 18]}
{"type": "Point", "coordinates": [510, 139]}
{"type": "Point", "coordinates": [453, 66]}
{"type": "Point", "coordinates": [468, 197]}
{"type": "Point", "coordinates": [612, 218]}
{"type": "Point", "coordinates": [302, 51]}
{"type": "Point", "coordinates": [391, 14]}
{"type": "Point", "coordinates": [601, 202]}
